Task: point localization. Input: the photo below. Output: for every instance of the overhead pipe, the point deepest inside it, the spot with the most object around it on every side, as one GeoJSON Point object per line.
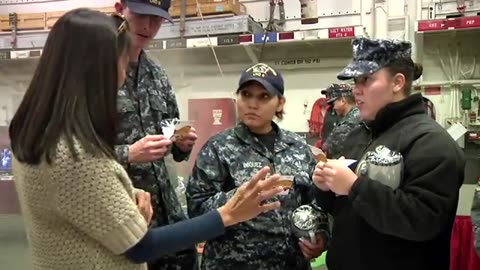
{"type": "Point", "coordinates": [309, 10]}
{"type": "Point", "coordinates": [183, 15]}
{"type": "Point", "coordinates": [368, 17]}
{"type": "Point", "coordinates": [449, 83]}
{"type": "Point", "coordinates": [461, 6]}
{"type": "Point", "coordinates": [281, 10]}
{"type": "Point", "coordinates": [374, 19]}
{"type": "Point", "coordinates": [13, 21]}
{"type": "Point", "coordinates": [418, 8]}
{"type": "Point", "coordinates": [272, 24]}
{"type": "Point", "coordinates": [381, 19]}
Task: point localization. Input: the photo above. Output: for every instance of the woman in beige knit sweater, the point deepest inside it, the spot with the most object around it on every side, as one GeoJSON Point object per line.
{"type": "Point", "coordinates": [78, 202]}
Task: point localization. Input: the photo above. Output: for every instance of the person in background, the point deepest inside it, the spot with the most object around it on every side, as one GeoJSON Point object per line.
{"type": "Point", "coordinates": [329, 120]}
{"type": "Point", "coordinates": [395, 209]}
{"type": "Point", "coordinates": [80, 208]}
{"type": "Point", "coordinates": [330, 116]}
{"type": "Point", "coordinates": [343, 103]}
{"type": "Point", "coordinates": [146, 99]}
{"type": "Point", "coordinates": [476, 218]}
{"type": "Point", "coordinates": [231, 157]}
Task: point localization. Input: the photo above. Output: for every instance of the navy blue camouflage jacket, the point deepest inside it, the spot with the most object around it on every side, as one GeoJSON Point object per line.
{"type": "Point", "coordinates": [341, 129]}
{"type": "Point", "coordinates": [231, 158]}
{"type": "Point", "coordinates": [146, 98]}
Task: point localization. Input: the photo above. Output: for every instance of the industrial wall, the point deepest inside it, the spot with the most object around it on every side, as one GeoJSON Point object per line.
{"type": "Point", "coordinates": [446, 46]}
{"type": "Point", "coordinates": [449, 57]}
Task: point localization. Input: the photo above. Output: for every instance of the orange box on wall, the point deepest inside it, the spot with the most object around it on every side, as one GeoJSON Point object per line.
{"type": "Point", "coordinates": [176, 11]}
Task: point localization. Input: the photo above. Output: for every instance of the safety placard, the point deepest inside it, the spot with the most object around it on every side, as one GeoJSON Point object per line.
{"type": "Point", "coordinates": [341, 32]}
{"type": "Point", "coordinates": [259, 38]}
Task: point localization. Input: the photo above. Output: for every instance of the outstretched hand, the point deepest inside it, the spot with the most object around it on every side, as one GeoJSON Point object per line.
{"type": "Point", "coordinates": [249, 199]}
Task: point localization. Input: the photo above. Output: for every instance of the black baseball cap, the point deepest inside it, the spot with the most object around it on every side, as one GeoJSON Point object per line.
{"type": "Point", "coordinates": [150, 7]}
{"type": "Point", "coordinates": [269, 77]}
{"type": "Point", "coordinates": [326, 92]}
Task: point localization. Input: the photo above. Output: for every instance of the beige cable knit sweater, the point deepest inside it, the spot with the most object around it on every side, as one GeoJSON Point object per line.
{"type": "Point", "coordinates": [79, 214]}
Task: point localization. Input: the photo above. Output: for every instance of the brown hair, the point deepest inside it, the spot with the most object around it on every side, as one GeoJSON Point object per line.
{"type": "Point", "coordinates": [73, 92]}
{"type": "Point", "coordinates": [412, 71]}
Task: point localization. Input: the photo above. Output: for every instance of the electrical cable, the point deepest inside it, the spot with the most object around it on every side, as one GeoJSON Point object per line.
{"type": "Point", "coordinates": [267, 29]}
{"type": "Point", "coordinates": [209, 40]}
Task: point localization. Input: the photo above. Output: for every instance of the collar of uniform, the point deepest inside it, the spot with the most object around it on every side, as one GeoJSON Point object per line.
{"type": "Point", "coordinates": [348, 116]}
{"type": "Point", "coordinates": [132, 66]}
{"type": "Point", "coordinates": [394, 112]}
{"type": "Point", "coordinates": [144, 61]}
{"type": "Point", "coordinates": [352, 113]}
{"type": "Point", "coordinates": [244, 134]}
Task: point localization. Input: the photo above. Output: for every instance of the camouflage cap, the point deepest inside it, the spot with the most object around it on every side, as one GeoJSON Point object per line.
{"type": "Point", "coordinates": [338, 90]}
{"type": "Point", "coordinates": [371, 55]}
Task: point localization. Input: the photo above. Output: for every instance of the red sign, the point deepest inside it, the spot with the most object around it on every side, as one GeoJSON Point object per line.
{"type": "Point", "coordinates": [433, 90]}
{"type": "Point", "coordinates": [431, 25]}
{"type": "Point", "coordinates": [454, 23]}
{"type": "Point", "coordinates": [469, 22]}
{"type": "Point", "coordinates": [341, 32]}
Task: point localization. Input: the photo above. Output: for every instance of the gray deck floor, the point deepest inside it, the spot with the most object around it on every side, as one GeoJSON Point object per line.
{"type": "Point", "coordinates": [13, 244]}
{"type": "Point", "coordinates": [14, 253]}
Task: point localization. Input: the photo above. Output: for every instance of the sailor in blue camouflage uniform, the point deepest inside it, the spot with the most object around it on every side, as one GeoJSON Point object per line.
{"type": "Point", "coordinates": [395, 207]}
{"type": "Point", "coordinates": [476, 217]}
{"type": "Point", "coordinates": [230, 158]}
{"type": "Point", "coordinates": [330, 117]}
{"type": "Point", "coordinates": [143, 102]}
{"type": "Point", "coordinates": [343, 103]}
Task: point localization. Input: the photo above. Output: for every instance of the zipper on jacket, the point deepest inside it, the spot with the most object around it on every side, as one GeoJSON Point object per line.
{"type": "Point", "coordinates": [284, 218]}
{"type": "Point", "coordinates": [370, 136]}
{"type": "Point", "coordinates": [271, 164]}
{"type": "Point", "coordinates": [370, 141]}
